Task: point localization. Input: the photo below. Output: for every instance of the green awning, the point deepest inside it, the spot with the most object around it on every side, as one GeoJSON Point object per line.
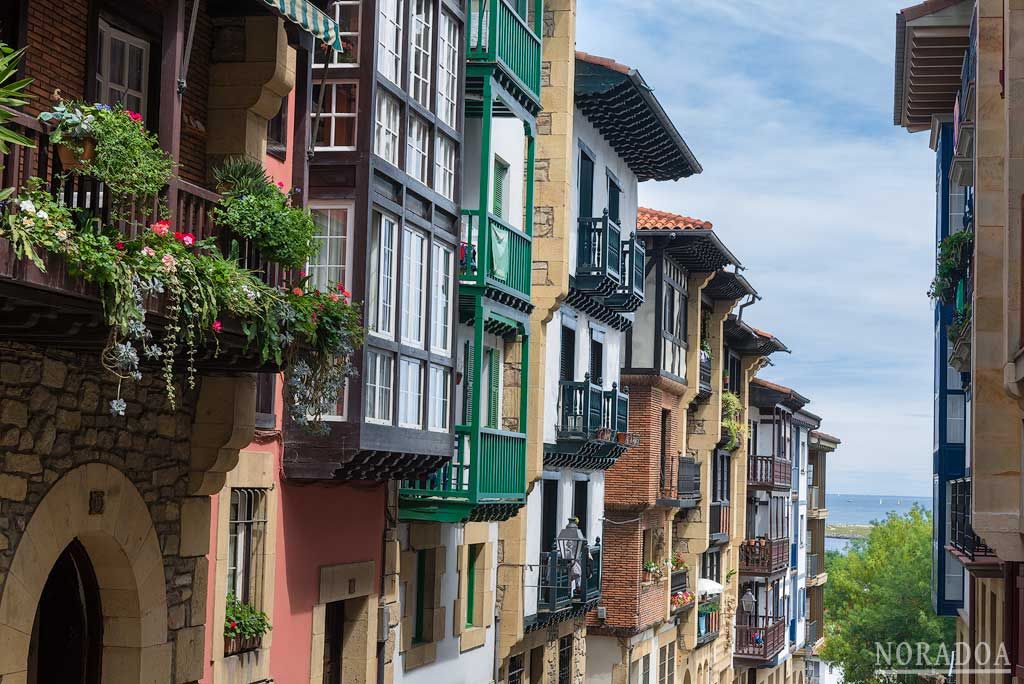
{"type": "Point", "coordinates": [312, 19]}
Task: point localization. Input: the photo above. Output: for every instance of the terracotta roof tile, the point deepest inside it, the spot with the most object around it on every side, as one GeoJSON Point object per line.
{"type": "Point", "coordinates": [652, 219]}
{"type": "Point", "coordinates": [603, 61]}
{"type": "Point", "coordinates": [771, 385]}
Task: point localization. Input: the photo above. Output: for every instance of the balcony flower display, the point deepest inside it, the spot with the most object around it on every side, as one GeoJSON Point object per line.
{"type": "Point", "coordinates": [653, 570]}
{"type": "Point", "coordinates": [732, 427]}
{"type": "Point", "coordinates": [951, 265]}
{"type": "Point", "coordinates": [681, 599]}
{"type": "Point", "coordinates": [244, 626]}
{"type": "Point", "coordinates": [678, 563]}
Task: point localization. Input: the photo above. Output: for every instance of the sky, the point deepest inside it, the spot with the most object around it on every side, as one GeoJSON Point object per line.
{"type": "Point", "coordinates": [788, 108]}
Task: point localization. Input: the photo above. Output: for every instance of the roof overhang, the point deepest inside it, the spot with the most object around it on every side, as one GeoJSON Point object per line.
{"type": "Point", "coordinates": [698, 250]}
{"type": "Point", "coordinates": [747, 340]}
{"type": "Point", "coordinates": [764, 394]}
{"type": "Point", "coordinates": [729, 285]}
{"type": "Point", "coordinates": [623, 108]}
{"type": "Point", "coordinates": [931, 40]}
{"type": "Point", "coordinates": [820, 441]}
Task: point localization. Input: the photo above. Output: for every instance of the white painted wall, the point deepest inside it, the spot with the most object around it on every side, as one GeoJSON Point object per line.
{"type": "Point", "coordinates": [603, 653]}
{"type": "Point", "coordinates": [508, 141]}
{"type": "Point", "coordinates": [451, 665]}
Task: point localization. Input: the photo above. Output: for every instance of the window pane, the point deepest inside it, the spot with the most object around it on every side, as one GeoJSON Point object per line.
{"type": "Point", "coordinates": [115, 73]}
{"type": "Point", "coordinates": [414, 249]}
{"type": "Point", "coordinates": [410, 399]}
{"type": "Point", "coordinates": [444, 167]}
{"type": "Point", "coordinates": [441, 290]}
{"type": "Point", "coordinates": [420, 38]}
{"type": "Point", "coordinates": [418, 150]}
{"type": "Point", "coordinates": [330, 265]}
{"type": "Point", "coordinates": [389, 43]}
{"type": "Point", "coordinates": [386, 129]}
{"type": "Point", "coordinates": [440, 393]}
{"type": "Point", "coordinates": [135, 66]}
{"type": "Point", "coordinates": [448, 68]}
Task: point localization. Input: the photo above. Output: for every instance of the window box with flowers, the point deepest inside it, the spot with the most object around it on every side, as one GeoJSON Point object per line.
{"type": "Point", "coordinates": [244, 627]}
{"type": "Point", "coordinates": [682, 599]}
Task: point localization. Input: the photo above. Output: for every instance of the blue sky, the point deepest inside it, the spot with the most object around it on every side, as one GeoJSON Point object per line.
{"type": "Point", "coordinates": [788, 107]}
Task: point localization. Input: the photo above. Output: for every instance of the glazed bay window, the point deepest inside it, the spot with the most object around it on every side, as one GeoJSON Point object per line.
{"type": "Point", "coordinates": [444, 166]}
{"type": "Point", "coordinates": [386, 129]}
{"type": "Point", "coordinates": [414, 286]}
{"type": "Point", "coordinates": [410, 394]}
{"type": "Point", "coordinates": [417, 154]}
{"type": "Point", "coordinates": [380, 297]}
{"type": "Point", "coordinates": [347, 14]}
{"type": "Point", "coordinates": [442, 283]}
{"type": "Point", "coordinates": [448, 69]}
{"type": "Point", "coordinates": [673, 321]}
{"type": "Point", "coordinates": [330, 265]}
{"type": "Point", "coordinates": [379, 384]}
{"type": "Point", "coordinates": [247, 529]}
{"type": "Point", "coordinates": [421, 35]}
{"type": "Point", "coordinates": [440, 399]}
{"type": "Point", "coordinates": [336, 126]}
{"type": "Point", "coordinates": [389, 39]}
{"type": "Point", "coordinates": [122, 68]}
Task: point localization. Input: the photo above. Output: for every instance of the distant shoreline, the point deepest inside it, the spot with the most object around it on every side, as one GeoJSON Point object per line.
{"type": "Point", "coordinates": [847, 531]}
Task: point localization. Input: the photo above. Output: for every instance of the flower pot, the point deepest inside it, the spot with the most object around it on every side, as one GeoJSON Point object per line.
{"type": "Point", "coordinates": [236, 645]}
{"type": "Point", "coordinates": [702, 625]}
{"type": "Point", "coordinates": [620, 437]}
{"type": "Point", "coordinates": [72, 160]}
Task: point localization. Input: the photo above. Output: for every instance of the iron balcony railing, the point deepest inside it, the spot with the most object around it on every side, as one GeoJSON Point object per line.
{"type": "Point", "coordinates": [759, 637]}
{"type": "Point", "coordinates": [769, 472]}
{"type": "Point", "coordinates": [586, 411]}
{"type": "Point", "coordinates": [763, 556]}
{"type": "Point", "coordinates": [564, 583]}
{"type": "Point", "coordinates": [598, 255]}
{"type": "Point", "coordinates": [718, 525]}
{"type": "Point", "coordinates": [688, 480]}
{"type": "Point", "coordinates": [629, 295]}
{"type": "Point", "coordinates": [498, 256]}
{"type": "Point", "coordinates": [813, 565]}
{"type": "Point", "coordinates": [962, 536]}
{"type": "Point", "coordinates": [500, 33]}
{"type": "Point", "coordinates": [496, 473]}
{"type": "Point", "coordinates": [968, 73]}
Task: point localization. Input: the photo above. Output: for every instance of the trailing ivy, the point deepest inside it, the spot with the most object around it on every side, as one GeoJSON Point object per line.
{"type": "Point", "coordinates": [733, 429]}
{"type": "Point", "coordinates": [951, 265]}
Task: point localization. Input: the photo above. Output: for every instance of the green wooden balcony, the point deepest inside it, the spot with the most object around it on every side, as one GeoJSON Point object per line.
{"type": "Point", "coordinates": [488, 470]}
{"type": "Point", "coordinates": [495, 257]}
{"type": "Point", "coordinates": [629, 294]}
{"type": "Point", "coordinates": [500, 37]}
{"type": "Point", "coordinates": [598, 256]}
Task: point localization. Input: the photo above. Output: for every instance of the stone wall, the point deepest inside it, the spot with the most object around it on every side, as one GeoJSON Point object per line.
{"type": "Point", "coordinates": [55, 417]}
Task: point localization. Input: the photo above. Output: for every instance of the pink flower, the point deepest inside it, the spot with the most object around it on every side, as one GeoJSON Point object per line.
{"type": "Point", "coordinates": [302, 274]}
{"type": "Point", "coordinates": [280, 185]}
{"type": "Point", "coordinates": [119, 245]}
{"type": "Point", "coordinates": [134, 116]}
{"type": "Point", "coordinates": [160, 228]}
{"type": "Point", "coordinates": [148, 251]}
{"type": "Point", "coordinates": [169, 262]}
{"type": "Point", "coordinates": [297, 291]}
{"type": "Point", "coordinates": [188, 239]}
{"type": "Point", "coordinates": [333, 297]}
{"type": "Point", "coordinates": [217, 326]}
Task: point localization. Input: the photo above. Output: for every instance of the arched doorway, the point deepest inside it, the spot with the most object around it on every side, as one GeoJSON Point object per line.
{"type": "Point", "coordinates": [67, 637]}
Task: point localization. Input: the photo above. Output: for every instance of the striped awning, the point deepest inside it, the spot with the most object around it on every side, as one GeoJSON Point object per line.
{"type": "Point", "coordinates": [312, 19]}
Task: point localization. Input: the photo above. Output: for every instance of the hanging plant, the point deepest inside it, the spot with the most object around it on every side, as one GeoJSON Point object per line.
{"type": "Point", "coordinates": [732, 427]}
{"type": "Point", "coordinates": [951, 265]}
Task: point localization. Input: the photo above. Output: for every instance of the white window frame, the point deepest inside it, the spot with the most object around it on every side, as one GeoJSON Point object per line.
{"type": "Point", "coordinates": [410, 371]}
{"type": "Point", "coordinates": [336, 63]}
{"type": "Point", "coordinates": [414, 287]}
{"type": "Point", "coordinates": [417, 152]}
{"type": "Point", "coordinates": [445, 158]}
{"type": "Point", "coordinates": [390, 24]}
{"type": "Point", "coordinates": [421, 45]}
{"type": "Point", "coordinates": [383, 262]}
{"type": "Point", "coordinates": [442, 285]}
{"type": "Point", "coordinates": [107, 33]}
{"type": "Point", "coordinates": [440, 401]}
{"type": "Point", "coordinates": [330, 116]}
{"type": "Point", "coordinates": [378, 382]}
{"type": "Point", "coordinates": [447, 96]}
{"type": "Point", "coordinates": [387, 128]}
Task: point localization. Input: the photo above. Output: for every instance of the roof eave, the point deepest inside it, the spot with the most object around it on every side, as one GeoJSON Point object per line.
{"type": "Point", "coordinates": [647, 93]}
{"type": "Point", "coordinates": [674, 233]}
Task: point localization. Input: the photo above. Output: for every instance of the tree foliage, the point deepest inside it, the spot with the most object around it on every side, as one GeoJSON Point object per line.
{"type": "Point", "coordinates": [880, 592]}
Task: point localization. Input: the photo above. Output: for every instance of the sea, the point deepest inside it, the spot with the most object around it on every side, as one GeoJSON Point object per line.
{"type": "Point", "coordinates": [863, 509]}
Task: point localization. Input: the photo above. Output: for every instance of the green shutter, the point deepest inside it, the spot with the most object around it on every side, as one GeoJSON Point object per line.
{"type": "Point", "coordinates": [494, 387]}
{"type": "Point", "coordinates": [500, 179]}
{"type": "Point", "coordinates": [467, 386]}
{"type": "Point", "coordinates": [474, 552]}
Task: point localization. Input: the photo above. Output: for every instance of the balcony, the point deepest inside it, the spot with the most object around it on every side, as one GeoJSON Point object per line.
{"type": "Point", "coordinates": [558, 591]}
{"type": "Point", "coordinates": [496, 260]}
{"type": "Point", "coordinates": [812, 634]}
{"type": "Point", "coordinates": [759, 637]}
{"type": "Point", "coordinates": [501, 42]}
{"type": "Point", "coordinates": [487, 486]}
{"type": "Point", "coordinates": [704, 388]}
{"type": "Point", "coordinates": [962, 538]}
{"type": "Point", "coordinates": [684, 491]}
{"type": "Point", "coordinates": [58, 308]}
{"type": "Point", "coordinates": [629, 295]}
{"type": "Point", "coordinates": [718, 522]}
{"type": "Point", "coordinates": [815, 502]}
{"type": "Point", "coordinates": [768, 472]}
{"type": "Point", "coordinates": [598, 256]}
{"type": "Point", "coordinates": [815, 570]}
{"type": "Point", "coordinates": [681, 596]}
{"type": "Point", "coordinates": [763, 556]}
{"type": "Point", "coordinates": [709, 622]}
{"type": "Point", "coordinates": [593, 426]}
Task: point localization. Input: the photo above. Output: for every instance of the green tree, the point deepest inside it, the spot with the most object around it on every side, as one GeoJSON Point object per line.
{"type": "Point", "coordinates": [880, 592]}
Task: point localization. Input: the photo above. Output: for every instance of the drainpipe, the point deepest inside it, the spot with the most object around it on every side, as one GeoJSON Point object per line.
{"type": "Point", "coordinates": [750, 300]}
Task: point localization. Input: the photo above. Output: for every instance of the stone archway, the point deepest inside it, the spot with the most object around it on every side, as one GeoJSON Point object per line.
{"type": "Point", "coordinates": [99, 507]}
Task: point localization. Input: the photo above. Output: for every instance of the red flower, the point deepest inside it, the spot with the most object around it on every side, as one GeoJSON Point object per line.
{"type": "Point", "coordinates": [119, 245]}
{"type": "Point", "coordinates": [312, 316]}
{"type": "Point", "coordinates": [280, 185]}
{"type": "Point", "coordinates": [134, 116]}
{"type": "Point", "coordinates": [316, 292]}
{"type": "Point", "coordinates": [178, 236]}
{"type": "Point", "coordinates": [160, 228]}
{"type": "Point", "coordinates": [297, 291]}
{"type": "Point", "coordinates": [234, 625]}
{"type": "Point", "coordinates": [302, 274]}
{"type": "Point", "coordinates": [333, 297]}
{"type": "Point", "coordinates": [217, 325]}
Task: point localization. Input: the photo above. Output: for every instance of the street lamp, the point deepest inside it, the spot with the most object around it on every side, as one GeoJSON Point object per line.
{"type": "Point", "coordinates": [747, 602]}
{"type": "Point", "coordinates": [570, 541]}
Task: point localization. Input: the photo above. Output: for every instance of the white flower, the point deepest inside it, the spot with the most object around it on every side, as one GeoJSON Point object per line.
{"type": "Point", "coordinates": [27, 205]}
{"type": "Point", "coordinates": [62, 234]}
{"type": "Point", "coordinates": [42, 215]}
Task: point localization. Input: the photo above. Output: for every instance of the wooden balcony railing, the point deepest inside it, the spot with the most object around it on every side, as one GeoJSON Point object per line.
{"type": "Point", "coordinates": [559, 589]}
{"type": "Point", "coordinates": [718, 525]}
{"type": "Point", "coordinates": [705, 374]}
{"type": "Point", "coordinates": [688, 480]}
{"type": "Point", "coordinates": [759, 637]}
{"type": "Point", "coordinates": [764, 556]}
{"type": "Point", "coordinates": [813, 633]}
{"type": "Point", "coordinates": [598, 255]}
{"type": "Point", "coordinates": [587, 412]}
{"type": "Point", "coordinates": [769, 472]}
{"type": "Point", "coordinates": [813, 565]}
{"type": "Point", "coordinates": [814, 498]}
{"type": "Point", "coordinates": [499, 256]}
{"type": "Point", "coordinates": [500, 33]}
{"type": "Point", "coordinates": [709, 622]}
{"type": "Point", "coordinates": [629, 295]}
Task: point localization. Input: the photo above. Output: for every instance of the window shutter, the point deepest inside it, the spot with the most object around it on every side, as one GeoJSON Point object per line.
{"type": "Point", "coordinates": [495, 389]}
{"type": "Point", "coordinates": [596, 361]}
{"type": "Point", "coordinates": [567, 363]}
{"type": "Point", "coordinates": [467, 386]}
{"type": "Point", "coordinates": [500, 179]}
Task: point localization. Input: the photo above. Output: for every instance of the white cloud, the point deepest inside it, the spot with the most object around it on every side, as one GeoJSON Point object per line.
{"type": "Point", "coordinates": [788, 108]}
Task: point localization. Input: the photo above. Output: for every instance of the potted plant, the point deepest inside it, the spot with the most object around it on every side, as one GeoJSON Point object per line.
{"type": "Point", "coordinates": [705, 349]}
{"type": "Point", "coordinates": [72, 133]}
{"type": "Point", "coordinates": [677, 561]}
{"type": "Point", "coordinates": [244, 627]}
{"type": "Point", "coordinates": [652, 571]}
{"type": "Point", "coordinates": [682, 599]}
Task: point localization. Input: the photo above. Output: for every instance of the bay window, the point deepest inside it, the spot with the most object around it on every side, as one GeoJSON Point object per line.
{"type": "Point", "coordinates": [417, 155]}
{"type": "Point", "coordinates": [420, 43]}
{"type": "Point", "coordinates": [380, 310]}
{"type": "Point", "coordinates": [389, 40]}
{"type": "Point", "coordinates": [347, 14]}
{"type": "Point", "coordinates": [385, 137]}
{"type": "Point", "coordinates": [330, 265]}
{"type": "Point", "coordinates": [410, 394]}
{"type": "Point", "coordinates": [380, 373]}
{"type": "Point", "coordinates": [414, 286]}
{"type": "Point", "coordinates": [448, 69]}
{"type": "Point", "coordinates": [440, 399]}
{"type": "Point", "coordinates": [338, 121]}
{"type": "Point", "coordinates": [444, 166]}
{"type": "Point", "coordinates": [441, 303]}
